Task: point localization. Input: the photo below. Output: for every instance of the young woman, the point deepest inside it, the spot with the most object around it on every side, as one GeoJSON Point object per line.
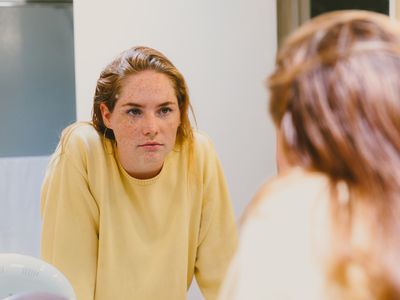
{"type": "Point", "coordinates": [328, 226]}
{"type": "Point", "coordinates": [135, 203]}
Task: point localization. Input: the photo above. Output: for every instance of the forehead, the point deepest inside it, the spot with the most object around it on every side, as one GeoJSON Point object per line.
{"type": "Point", "coordinates": [147, 85]}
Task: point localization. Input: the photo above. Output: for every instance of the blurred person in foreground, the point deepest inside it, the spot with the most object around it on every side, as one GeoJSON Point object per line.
{"type": "Point", "coordinates": [135, 202]}
{"type": "Point", "coordinates": [328, 226]}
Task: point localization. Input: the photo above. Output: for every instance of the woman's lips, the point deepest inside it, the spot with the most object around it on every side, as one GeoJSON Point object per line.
{"type": "Point", "coordinates": [151, 146]}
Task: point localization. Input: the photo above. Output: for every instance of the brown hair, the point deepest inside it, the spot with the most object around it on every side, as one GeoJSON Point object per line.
{"type": "Point", "coordinates": [133, 61]}
{"type": "Point", "coordinates": [335, 97]}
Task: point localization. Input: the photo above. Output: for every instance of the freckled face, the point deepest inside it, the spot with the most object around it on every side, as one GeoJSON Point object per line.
{"type": "Point", "coordinates": [145, 121]}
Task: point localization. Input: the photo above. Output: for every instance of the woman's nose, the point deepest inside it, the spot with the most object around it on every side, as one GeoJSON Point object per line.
{"type": "Point", "coordinates": [150, 126]}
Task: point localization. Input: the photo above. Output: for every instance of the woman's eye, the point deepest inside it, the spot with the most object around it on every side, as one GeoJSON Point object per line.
{"type": "Point", "coordinates": [165, 110]}
{"type": "Point", "coordinates": [135, 112]}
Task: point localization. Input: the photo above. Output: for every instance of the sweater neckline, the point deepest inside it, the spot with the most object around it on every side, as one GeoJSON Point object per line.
{"type": "Point", "coordinates": [137, 181]}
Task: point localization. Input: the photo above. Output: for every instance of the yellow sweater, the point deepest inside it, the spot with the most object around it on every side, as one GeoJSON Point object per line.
{"type": "Point", "coordinates": [117, 237]}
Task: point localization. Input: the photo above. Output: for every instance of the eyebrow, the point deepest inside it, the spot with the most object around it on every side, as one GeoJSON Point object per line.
{"type": "Point", "coordinates": [133, 104]}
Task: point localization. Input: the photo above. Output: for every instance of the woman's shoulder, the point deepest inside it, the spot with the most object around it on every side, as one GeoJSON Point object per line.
{"type": "Point", "coordinates": [203, 144]}
{"type": "Point", "coordinates": [202, 138]}
{"type": "Point", "coordinates": [277, 237]}
{"type": "Point", "coordinates": [79, 136]}
{"type": "Point", "coordinates": [80, 131]}
{"type": "Point", "coordinates": [80, 144]}
{"type": "Point", "coordinates": [295, 189]}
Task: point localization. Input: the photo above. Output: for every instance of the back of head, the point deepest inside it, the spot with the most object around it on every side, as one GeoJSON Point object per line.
{"type": "Point", "coordinates": [335, 92]}
{"type": "Point", "coordinates": [335, 99]}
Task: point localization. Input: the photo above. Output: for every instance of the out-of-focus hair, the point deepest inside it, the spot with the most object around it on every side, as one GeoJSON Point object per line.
{"type": "Point", "coordinates": [335, 97]}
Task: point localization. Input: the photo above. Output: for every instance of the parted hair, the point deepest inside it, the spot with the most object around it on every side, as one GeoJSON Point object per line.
{"type": "Point", "coordinates": [130, 62]}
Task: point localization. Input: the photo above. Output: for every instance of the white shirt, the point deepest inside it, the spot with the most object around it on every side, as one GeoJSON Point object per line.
{"type": "Point", "coordinates": [276, 258]}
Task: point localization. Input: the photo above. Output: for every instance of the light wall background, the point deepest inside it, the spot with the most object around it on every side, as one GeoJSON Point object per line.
{"type": "Point", "coordinates": [225, 49]}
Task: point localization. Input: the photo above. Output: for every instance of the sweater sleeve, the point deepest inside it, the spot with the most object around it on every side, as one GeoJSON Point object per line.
{"type": "Point", "coordinates": [70, 221]}
{"type": "Point", "coordinates": [218, 236]}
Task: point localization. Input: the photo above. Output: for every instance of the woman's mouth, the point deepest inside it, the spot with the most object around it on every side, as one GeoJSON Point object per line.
{"type": "Point", "coordinates": [151, 146]}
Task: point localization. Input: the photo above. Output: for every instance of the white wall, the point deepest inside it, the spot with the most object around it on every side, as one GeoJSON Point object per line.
{"type": "Point", "coordinates": [20, 182]}
{"type": "Point", "coordinates": [225, 50]}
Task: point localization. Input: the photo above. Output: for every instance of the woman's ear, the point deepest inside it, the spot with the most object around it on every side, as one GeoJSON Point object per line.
{"type": "Point", "coordinates": [106, 115]}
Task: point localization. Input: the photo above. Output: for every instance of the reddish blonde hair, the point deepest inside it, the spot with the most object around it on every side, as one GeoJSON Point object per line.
{"type": "Point", "coordinates": [335, 97]}
{"type": "Point", "coordinates": [133, 61]}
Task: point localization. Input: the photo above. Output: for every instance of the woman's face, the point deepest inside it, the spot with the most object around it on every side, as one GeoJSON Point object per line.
{"type": "Point", "coordinates": [145, 121]}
